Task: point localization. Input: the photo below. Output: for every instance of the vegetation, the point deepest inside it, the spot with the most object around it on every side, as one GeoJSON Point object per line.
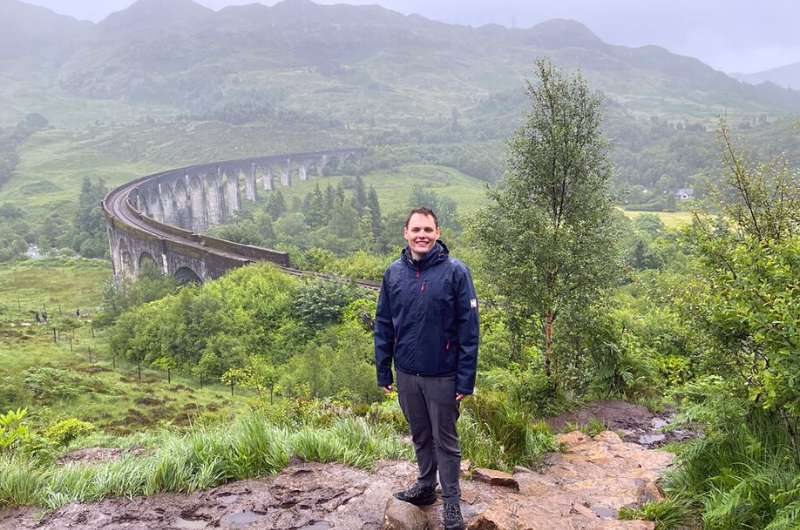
{"type": "Point", "coordinates": [555, 211]}
{"type": "Point", "coordinates": [234, 378]}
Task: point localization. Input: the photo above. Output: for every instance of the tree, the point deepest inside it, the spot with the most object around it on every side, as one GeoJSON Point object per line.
{"type": "Point", "coordinates": [548, 229]}
{"type": "Point", "coordinates": [374, 210]}
{"type": "Point", "coordinates": [359, 196]}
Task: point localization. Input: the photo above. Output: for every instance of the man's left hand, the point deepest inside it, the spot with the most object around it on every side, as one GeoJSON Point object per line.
{"type": "Point", "coordinates": [459, 397]}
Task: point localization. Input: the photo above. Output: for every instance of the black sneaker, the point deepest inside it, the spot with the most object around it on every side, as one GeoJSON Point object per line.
{"type": "Point", "coordinates": [418, 495]}
{"type": "Point", "coordinates": [451, 514]}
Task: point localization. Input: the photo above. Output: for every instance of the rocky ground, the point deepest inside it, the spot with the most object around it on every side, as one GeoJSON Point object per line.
{"type": "Point", "coordinates": [581, 488]}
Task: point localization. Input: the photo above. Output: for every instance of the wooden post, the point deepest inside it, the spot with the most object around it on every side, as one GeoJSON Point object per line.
{"type": "Point", "coordinates": [55, 336]}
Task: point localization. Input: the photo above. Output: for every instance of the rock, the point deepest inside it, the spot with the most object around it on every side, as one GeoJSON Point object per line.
{"type": "Point", "coordinates": [495, 478]}
{"type": "Point", "coordinates": [401, 515]}
{"type": "Point", "coordinates": [609, 437]}
{"type": "Point", "coordinates": [650, 493]}
{"type": "Point", "coordinates": [520, 469]}
{"type": "Point", "coordinates": [571, 438]}
{"type": "Point", "coordinates": [466, 465]}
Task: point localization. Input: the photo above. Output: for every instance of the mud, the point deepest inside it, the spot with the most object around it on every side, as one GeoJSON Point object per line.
{"type": "Point", "coordinates": [98, 455]}
{"type": "Point", "coordinates": [583, 488]}
{"type": "Point", "coordinates": [634, 423]}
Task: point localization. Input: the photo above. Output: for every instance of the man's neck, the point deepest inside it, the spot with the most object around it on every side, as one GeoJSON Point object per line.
{"type": "Point", "coordinates": [417, 257]}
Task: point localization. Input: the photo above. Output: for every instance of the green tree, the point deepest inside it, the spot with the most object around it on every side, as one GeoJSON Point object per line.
{"type": "Point", "coordinates": [374, 210]}
{"type": "Point", "coordinates": [548, 228]}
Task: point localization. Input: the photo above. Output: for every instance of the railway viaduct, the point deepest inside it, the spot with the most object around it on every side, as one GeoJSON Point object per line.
{"type": "Point", "coordinates": [160, 219]}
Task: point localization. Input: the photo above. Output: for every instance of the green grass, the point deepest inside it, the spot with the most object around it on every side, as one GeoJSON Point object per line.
{"type": "Point", "coordinates": [77, 376]}
{"type": "Point", "coordinates": [394, 186]}
{"type": "Point", "coordinates": [671, 220]}
{"type": "Point", "coordinates": [202, 458]}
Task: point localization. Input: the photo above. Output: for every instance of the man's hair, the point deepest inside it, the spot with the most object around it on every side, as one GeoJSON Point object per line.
{"type": "Point", "coordinates": [424, 211]}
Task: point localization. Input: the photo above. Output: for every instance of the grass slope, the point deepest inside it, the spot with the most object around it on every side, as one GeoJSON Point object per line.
{"type": "Point", "coordinates": [76, 377]}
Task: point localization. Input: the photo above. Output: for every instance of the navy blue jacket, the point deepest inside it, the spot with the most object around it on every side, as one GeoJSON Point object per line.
{"type": "Point", "coordinates": [427, 319]}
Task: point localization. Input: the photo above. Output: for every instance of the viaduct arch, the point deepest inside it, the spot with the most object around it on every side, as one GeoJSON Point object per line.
{"type": "Point", "coordinates": [160, 219]}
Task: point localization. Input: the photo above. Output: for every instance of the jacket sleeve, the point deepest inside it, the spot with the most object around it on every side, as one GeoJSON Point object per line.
{"type": "Point", "coordinates": [468, 332]}
{"type": "Point", "coordinates": [384, 335]}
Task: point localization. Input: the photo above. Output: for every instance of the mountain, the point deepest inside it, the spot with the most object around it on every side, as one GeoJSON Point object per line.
{"type": "Point", "coordinates": [787, 76]}
{"type": "Point", "coordinates": [29, 32]}
{"type": "Point", "coordinates": [179, 53]}
{"type": "Point", "coordinates": [156, 15]}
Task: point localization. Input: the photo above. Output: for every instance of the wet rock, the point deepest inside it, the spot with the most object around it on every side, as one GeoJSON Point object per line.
{"type": "Point", "coordinates": [495, 478]}
{"type": "Point", "coordinates": [401, 515]}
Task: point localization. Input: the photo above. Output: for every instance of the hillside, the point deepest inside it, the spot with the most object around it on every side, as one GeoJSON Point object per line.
{"type": "Point", "coordinates": [787, 76]}
{"type": "Point", "coordinates": [310, 76]}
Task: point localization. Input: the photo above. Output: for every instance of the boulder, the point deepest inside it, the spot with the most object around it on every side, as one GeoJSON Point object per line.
{"type": "Point", "coordinates": [495, 478]}
{"type": "Point", "coordinates": [401, 515]}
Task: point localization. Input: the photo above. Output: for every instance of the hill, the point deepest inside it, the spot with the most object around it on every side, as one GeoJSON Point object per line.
{"type": "Point", "coordinates": [316, 75]}
{"type": "Point", "coordinates": [787, 76]}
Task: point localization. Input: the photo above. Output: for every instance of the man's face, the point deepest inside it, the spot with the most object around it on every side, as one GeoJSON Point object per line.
{"type": "Point", "coordinates": [421, 234]}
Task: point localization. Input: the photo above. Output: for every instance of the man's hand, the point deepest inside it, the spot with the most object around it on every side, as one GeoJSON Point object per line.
{"type": "Point", "coordinates": [459, 397]}
{"type": "Point", "coordinates": [387, 390]}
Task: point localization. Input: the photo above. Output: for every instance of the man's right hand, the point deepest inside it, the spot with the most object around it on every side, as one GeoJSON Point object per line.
{"type": "Point", "coordinates": [387, 390]}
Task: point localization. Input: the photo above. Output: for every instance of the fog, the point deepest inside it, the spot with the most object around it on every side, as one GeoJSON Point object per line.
{"type": "Point", "coordinates": [730, 35]}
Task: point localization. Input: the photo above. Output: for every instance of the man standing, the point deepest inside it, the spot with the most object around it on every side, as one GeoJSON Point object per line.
{"type": "Point", "coordinates": [427, 323]}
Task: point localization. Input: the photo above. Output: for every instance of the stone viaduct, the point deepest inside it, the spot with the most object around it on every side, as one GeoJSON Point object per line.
{"type": "Point", "coordinates": [160, 219]}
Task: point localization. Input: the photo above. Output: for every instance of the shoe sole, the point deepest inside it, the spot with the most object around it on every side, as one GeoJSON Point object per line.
{"type": "Point", "coordinates": [420, 502]}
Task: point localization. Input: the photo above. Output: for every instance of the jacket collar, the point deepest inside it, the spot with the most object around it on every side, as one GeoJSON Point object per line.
{"type": "Point", "coordinates": [438, 254]}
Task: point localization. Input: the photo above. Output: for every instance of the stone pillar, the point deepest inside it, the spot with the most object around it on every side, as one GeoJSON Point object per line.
{"type": "Point", "coordinates": [154, 205]}
{"type": "Point", "coordinates": [183, 213]}
{"type": "Point", "coordinates": [286, 174]}
{"type": "Point", "coordinates": [198, 204]}
{"type": "Point", "coordinates": [232, 202]}
{"type": "Point", "coordinates": [301, 171]}
{"type": "Point", "coordinates": [321, 163]}
{"type": "Point", "coordinates": [250, 184]}
{"type": "Point", "coordinates": [167, 204]}
{"type": "Point", "coordinates": [214, 198]}
{"type": "Point", "coordinates": [266, 178]}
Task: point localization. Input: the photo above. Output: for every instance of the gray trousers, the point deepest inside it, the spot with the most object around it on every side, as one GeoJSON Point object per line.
{"type": "Point", "coordinates": [430, 407]}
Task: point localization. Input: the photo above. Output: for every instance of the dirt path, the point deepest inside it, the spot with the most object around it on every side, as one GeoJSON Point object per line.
{"type": "Point", "coordinates": [582, 488]}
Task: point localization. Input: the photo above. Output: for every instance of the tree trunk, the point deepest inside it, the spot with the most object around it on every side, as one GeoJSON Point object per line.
{"type": "Point", "coordinates": [169, 376]}
{"type": "Point", "coordinates": [232, 387]}
{"type": "Point", "coordinates": [139, 370]}
{"type": "Point", "coordinates": [549, 319]}
{"type": "Point", "coordinates": [271, 391]}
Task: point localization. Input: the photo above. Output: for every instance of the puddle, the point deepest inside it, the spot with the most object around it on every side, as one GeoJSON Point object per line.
{"type": "Point", "coordinates": [652, 438]}
{"type": "Point", "coordinates": [241, 519]}
{"type": "Point", "coordinates": [318, 525]}
{"type": "Point", "coordinates": [189, 524]}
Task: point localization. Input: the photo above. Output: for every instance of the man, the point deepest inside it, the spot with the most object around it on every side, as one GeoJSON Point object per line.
{"type": "Point", "coordinates": [427, 323]}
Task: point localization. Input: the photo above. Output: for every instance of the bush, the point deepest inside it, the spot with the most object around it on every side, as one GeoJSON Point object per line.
{"type": "Point", "coordinates": [13, 430]}
{"type": "Point", "coordinates": [65, 431]}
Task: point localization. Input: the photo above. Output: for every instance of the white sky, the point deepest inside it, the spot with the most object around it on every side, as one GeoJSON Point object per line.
{"type": "Point", "coordinates": [731, 35]}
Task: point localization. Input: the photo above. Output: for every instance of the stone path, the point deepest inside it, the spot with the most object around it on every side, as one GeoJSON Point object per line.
{"type": "Point", "coordinates": [582, 488]}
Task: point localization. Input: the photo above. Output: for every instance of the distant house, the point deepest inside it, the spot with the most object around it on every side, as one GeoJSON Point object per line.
{"type": "Point", "coordinates": [684, 194]}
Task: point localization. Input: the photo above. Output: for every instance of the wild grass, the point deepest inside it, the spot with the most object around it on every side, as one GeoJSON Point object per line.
{"type": "Point", "coordinates": [202, 458]}
{"type": "Point", "coordinates": [669, 514]}
{"type": "Point", "coordinates": [77, 377]}
{"type": "Point", "coordinates": [742, 474]}
{"type": "Point", "coordinates": [498, 434]}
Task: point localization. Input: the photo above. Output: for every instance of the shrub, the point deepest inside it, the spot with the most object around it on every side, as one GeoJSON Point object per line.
{"type": "Point", "coordinates": [13, 430]}
{"type": "Point", "coordinates": [65, 431]}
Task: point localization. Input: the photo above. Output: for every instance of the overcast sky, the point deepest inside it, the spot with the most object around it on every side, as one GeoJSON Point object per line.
{"type": "Point", "coordinates": [731, 35]}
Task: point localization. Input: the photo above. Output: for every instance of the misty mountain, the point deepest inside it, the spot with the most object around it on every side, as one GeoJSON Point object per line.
{"type": "Point", "coordinates": [29, 33]}
{"type": "Point", "coordinates": [787, 76]}
{"type": "Point", "coordinates": [180, 53]}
